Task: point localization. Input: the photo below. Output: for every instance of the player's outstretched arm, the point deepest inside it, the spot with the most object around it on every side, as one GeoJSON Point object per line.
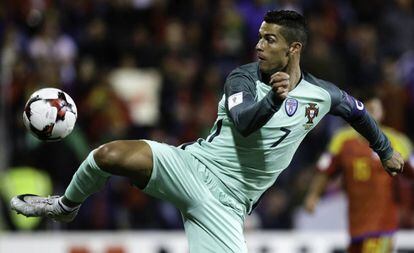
{"type": "Point", "coordinates": [353, 111]}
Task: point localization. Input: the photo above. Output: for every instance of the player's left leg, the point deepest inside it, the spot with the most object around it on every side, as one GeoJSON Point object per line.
{"type": "Point", "coordinates": [128, 158]}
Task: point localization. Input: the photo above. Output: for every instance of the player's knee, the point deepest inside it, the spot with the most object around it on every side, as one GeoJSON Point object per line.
{"type": "Point", "coordinates": [108, 155]}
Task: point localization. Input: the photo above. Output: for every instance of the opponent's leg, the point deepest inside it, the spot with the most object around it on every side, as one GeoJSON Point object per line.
{"type": "Point", "coordinates": [132, 159]}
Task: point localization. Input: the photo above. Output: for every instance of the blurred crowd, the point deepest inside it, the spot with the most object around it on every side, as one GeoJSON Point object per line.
{"type": "Point", "coordinates": [155, 69]}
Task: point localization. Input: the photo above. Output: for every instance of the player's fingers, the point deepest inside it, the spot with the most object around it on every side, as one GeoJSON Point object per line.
{"type": "Point", "coordinates": [280, 84]}
{"type": "Point", "coordinates": [399, 168]}
{"type": "Point", "coordinates": [402, 166]}
{"type": "Point", "coordinates": [275, 79]}
{"type": "Point", "coordinates": [278, 77]}
{"type": "Point", "coordinates": [391, 173]}
{"type": "Point", "coordinates": [283, 95]}
{"type": "Point", "coordinates": [281, 89]}
{"type": "Point", "coordinates": [281, 92]}
{"type": "Point", "coordinates": [394, 171]}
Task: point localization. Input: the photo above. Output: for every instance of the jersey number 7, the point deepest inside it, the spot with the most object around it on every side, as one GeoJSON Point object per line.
{"type": "Point", "coordinates": [287, 132]}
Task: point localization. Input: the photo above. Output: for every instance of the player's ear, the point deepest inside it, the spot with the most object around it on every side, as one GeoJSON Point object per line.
{"type": "Point", "coordinates": [295, 47]}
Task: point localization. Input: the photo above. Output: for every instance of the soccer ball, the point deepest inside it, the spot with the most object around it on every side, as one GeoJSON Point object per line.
{"type": "Point", "coordinates": [50, 114]}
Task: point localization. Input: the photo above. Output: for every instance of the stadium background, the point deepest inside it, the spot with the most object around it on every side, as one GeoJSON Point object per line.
{"type": "Point", "coordinates": [155, 69]}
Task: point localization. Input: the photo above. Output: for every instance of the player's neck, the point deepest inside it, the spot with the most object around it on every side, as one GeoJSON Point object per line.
{"type": "Point", "coordinates": [295, 74]}
{"type": "Point", "coordinates": [293, 70]}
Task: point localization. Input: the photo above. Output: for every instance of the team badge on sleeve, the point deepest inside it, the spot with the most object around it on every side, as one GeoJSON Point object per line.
{"type": "Point", "coordinates": [235, 99]}
{"type": "Point", "coordinates": [311, 112]}
{"type": "Point", "coordinates": [291, 105]}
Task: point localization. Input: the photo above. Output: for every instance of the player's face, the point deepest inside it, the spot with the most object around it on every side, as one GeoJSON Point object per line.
{"type": "Point", "coordinates": [272, 49]}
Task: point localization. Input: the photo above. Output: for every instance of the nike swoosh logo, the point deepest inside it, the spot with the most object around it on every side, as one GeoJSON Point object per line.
{"type": "Point", "coordinates": [21, 197]}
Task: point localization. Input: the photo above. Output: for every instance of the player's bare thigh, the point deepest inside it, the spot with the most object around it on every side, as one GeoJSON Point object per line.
{"type": "Point", "coordinates": [129, 158]}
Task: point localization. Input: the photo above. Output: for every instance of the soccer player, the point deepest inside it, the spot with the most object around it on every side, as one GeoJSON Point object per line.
{"type": "Point", "coordinates": [372, 204]}
{"type": "Point", "coordinates": [267, 109]}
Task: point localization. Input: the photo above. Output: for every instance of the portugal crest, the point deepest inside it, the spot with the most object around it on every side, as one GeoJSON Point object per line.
{"type": "Point", "coordinates": [291, 105]}
{"type": "Point", "coordinates": [311, 112]}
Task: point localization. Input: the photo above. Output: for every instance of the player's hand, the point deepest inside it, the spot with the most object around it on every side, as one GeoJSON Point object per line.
{"type": "Point", "coordinates": [310, 203]}
{"type": "Point", "coordinates": [394, 165]}
{"type": "Point", "coordinates": [280, 84]}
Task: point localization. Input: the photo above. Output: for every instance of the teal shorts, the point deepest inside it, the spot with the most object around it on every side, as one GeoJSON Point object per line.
{"type": "Point", "coordinates": [213, 221]}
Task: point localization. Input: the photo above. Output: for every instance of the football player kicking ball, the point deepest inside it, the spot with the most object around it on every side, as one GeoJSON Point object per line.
{"type": "Point", "coordinates": [268, 108]}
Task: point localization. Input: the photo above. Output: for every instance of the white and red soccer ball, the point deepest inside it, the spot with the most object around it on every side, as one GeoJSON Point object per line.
{"type": "Point", "coordinates": [50, 114]}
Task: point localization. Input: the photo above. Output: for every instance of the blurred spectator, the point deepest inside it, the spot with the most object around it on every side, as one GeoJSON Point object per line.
{"type": "Point", "coordinates": [104, 113]}
{"type": "Point", "coordinates": [393, 95]}
{"type": "Point", "coordinates": [208, 95]}
{"type": "Point", "coordinates": [397, 28]}
{"type": "Point", "coordinates": [139, 89]}
{"type": "Point", "coordinates": [227, 37]}
{"type": "Point", "coordinates": [51, 49]}
{"type": "Point", "coordinates": [95, 43]}
{"type": "Point", "coordinates": [362, 55]}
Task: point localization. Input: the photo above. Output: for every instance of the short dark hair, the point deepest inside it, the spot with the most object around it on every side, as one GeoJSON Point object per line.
{"type": "Point", "coordinates": [294, 26]}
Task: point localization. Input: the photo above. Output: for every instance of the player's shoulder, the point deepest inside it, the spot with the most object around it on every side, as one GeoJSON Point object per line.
{"type": "Point", "coordinates": [340, 137]}
{"type": "Point", "coordinates": [243, 76]}
{"type": "Point", "coordinates": [247, 70]}
{"type": "Point", "coordinates": [335, 93]}
{"type": "Point", "coordinates": [331, 88]}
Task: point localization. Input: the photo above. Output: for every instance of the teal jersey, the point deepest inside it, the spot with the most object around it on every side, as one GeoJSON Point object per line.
{"type": "Point", "coordinates": [256, 135]}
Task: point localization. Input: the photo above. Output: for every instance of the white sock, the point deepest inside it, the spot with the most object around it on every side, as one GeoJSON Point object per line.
{"type": "Point", "coordinates": [66, 208]}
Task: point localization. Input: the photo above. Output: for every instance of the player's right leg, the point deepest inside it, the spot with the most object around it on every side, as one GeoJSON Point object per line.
{"type": "Point", "coordinates": [132, 159]}
{"type": "Point", "coordinates": [215, 226]}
